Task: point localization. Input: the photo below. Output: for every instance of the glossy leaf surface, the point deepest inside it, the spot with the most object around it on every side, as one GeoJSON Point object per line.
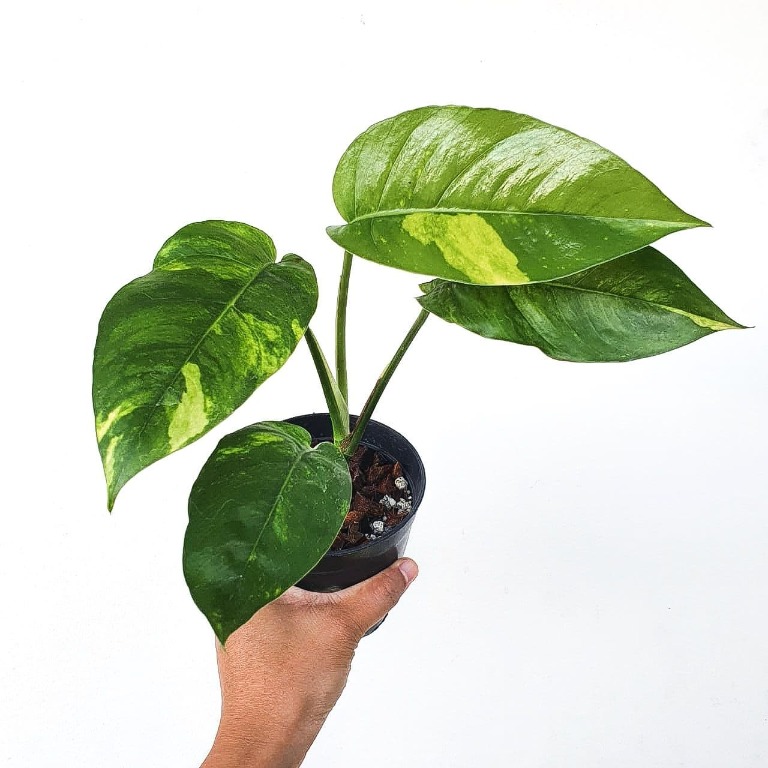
{"type": "Point", "coordinates": [632, 307]}
{"type": "Point", "coordinates": [182, 347]}
{"type": "Point", "coordinates": [492, 198]}
{"type": "Point", "coordinates": [263, 511]}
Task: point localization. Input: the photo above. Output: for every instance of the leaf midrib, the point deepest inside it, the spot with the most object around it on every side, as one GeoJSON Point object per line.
{"type": "Point", "coordinates": [391, 213]}
{"type": "Point", "coordinates": [230, 305]}
{"type": "Point", "coordinates": [274, 507]}
{"type": "Point", "coordinates": [666, 307]}
{"type": "Point", "coordinates": [555, 283]}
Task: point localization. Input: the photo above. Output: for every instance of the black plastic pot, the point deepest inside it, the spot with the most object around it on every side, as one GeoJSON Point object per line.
{"type": "Point", "coordinates": [345, 567]}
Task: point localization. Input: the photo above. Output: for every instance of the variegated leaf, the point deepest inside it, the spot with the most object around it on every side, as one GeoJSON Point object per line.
{"type": "Point", "coordinates": [632, 307]}
{"type": "Point", "coordinates": [182, 347]}
{"type": "Point", "coordinates": [492, 198]}
{"type": "Point", "coordinates": [263, 511]}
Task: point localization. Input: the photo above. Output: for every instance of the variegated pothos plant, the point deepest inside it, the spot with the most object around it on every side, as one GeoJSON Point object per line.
{"type": "Point", "coordinates": [534, 235]}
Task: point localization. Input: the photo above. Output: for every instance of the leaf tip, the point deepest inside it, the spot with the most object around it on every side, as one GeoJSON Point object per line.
{"type": "Point", "coordinates": [222, 634]}
{"type": "Point", "coordinates": [692, 222]}
{"type": "Point", "coordinates": [114, 486]}
{"type": "Point", "coordinates": [427, 286]}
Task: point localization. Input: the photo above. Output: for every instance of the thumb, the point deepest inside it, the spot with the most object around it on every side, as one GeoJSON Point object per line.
{"type": "Point", "coordinates": [371, 600]}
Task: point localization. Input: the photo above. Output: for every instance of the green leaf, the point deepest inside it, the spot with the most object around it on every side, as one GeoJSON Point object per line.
{"type": "Point", "coordinates": [634, 306]}
{"type": "Point", "coordinates": [262, 513]}
{"type": "Point", "coordinates": [179, 349]}
{"type": "Point", "coordinates": [492, 198]}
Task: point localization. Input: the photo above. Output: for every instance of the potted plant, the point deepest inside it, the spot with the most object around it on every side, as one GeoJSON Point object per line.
{"type": "Point", "coordinates": [530, 234]}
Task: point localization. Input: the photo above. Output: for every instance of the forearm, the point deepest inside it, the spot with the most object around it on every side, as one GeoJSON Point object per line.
{"type": "Point", "coordinates": [260, 739]}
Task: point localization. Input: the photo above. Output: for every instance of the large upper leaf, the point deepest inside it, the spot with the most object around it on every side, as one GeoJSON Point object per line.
{"type": "Point", "coordinates": [492, 198]}
{"type": "Point", "coordinates": [183, 346]}
{"type": "Point", "coordinates": [263, 511]}
{"type": "Point", "coordinates": [634, 306]}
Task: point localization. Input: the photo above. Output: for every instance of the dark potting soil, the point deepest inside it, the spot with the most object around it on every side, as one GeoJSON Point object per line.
{"type": "Point", "coordinates": [381, 498]}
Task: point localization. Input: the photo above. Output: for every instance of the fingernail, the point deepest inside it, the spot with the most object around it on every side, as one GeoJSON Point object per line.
{"type": "Point", "coordinates": [409, 569]}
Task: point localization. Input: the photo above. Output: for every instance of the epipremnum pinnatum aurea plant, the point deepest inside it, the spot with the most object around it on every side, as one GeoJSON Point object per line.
{"type": "Point", "coordinates": [534, 235]}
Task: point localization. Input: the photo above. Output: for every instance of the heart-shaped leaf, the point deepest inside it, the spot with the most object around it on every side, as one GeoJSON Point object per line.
{"type": "Point", "coordinates": [635, 306]}
{"type": "Point", "coordinates": [262, 513]}
{"type": "Point", "coordinates": [182, 347]}
{"type": "Point", "coordinates": [492, 198]}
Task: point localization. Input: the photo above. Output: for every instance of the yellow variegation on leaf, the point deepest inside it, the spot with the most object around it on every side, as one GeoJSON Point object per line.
{"type": "Point", "coordinates": [635, 306]}
{"type": "Point", "coordinates": [179, 349]}
{"type": "Point", "coordinates": [490, 197]}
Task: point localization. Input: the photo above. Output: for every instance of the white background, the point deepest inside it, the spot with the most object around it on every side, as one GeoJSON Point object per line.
{"type": "Point", "coordinates": [593, 544]}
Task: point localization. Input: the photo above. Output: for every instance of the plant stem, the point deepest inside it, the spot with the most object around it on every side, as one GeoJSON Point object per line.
{"type": "Point", "coordinates": [337, 404]}
{"type": "Point", "coordinates": [341, 326]}
{"type": "Point", "coordinates": [349, 446]}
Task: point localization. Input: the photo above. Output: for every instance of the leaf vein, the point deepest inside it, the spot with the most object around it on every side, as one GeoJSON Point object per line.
{"type": "Point", "coordinates": [230, 305]}
{"type": "Point", "coordinates": [273, 508]}
{"type": "Point", "coordinates": [479, 156]}
{"type": "Point", "coordinates": [486, 212]}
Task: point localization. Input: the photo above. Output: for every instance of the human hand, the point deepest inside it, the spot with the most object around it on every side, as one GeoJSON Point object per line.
{"type": "Point", "coordinates": [282, 672]}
